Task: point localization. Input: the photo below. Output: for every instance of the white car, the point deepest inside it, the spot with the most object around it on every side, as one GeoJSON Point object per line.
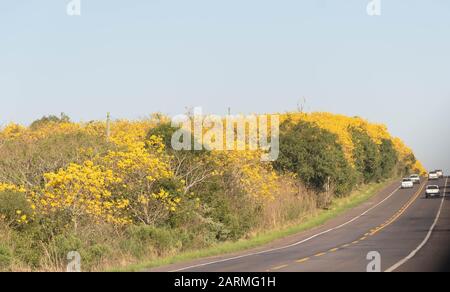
{"type": "Point", "coordinates": [432, 191]}
{"type": "Point", "coordinates": [407, 183]}
{"type": "Point", "coordinates": [415, 178]}
{"type": "Point", "coordinates": [433, 176]}
{"type": "Point", "coordinates": [440, 173]}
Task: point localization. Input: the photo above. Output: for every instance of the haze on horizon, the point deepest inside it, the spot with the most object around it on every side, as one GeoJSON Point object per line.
{"type": "Point", "coordinates": [132, 59]}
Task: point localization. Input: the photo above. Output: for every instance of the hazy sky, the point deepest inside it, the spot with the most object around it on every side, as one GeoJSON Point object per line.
{"type": "Point", "coordinates": [136, 57]}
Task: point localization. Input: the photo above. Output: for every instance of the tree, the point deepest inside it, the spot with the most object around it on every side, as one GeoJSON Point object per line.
{"type": "Point", "coordinates": [63, 118]}
{"type": "Point", "coordinates": [366, 156]}
{"type": "Point", "coordinates": [192, 167]}
{"type": "Point", "coordinates": [389, 158]}
{"type": "Point", "coordinates": [314, 155]}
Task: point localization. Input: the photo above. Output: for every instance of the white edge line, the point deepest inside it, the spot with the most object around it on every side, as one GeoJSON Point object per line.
{"type": "Point", "coordinates": [291, 245]}
{"type": "Point", "coordinates": [424, 242]}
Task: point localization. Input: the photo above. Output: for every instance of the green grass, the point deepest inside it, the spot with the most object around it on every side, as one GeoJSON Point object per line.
{"type": "Point", "coordinates": [339, 206]}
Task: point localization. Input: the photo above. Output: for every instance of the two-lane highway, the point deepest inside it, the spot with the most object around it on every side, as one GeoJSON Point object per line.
{"type": "Point", "coordinates": [408, 231]}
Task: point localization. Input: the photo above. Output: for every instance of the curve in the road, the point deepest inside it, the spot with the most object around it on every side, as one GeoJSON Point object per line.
{"type": "Point", "coordinates": [372, 232]}
{"type": "Point", "coordinates": [304, 240]}
{"type": "Point", "coordinates": [425, 241]}
{"type": "Point", "coordinates": [402, 224]}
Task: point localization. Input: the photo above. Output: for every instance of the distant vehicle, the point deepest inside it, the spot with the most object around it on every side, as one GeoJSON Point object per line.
{"type": "Point", "coordinates": [440, 173]}
{"type": "Point", "coordinates": [415, 178]}
{"type": "Point", "coordinates": [432, 191]}
{"type": "Point", "coordinates": [407, 183]}
{"type": "Point", "coordinates": [433, 176]}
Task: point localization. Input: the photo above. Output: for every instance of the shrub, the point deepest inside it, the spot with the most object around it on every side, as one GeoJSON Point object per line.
{"type": "Point", "coordinates": [165, 131]}
{"type": "Point", "coordinates": [236, 213]}
{"type": "Point", "coordinates": [28, 250]}
{"type": "Point", "coordinates": [92, 256]}
{"type": "Point", "coordinates": [15, 209]}
{"type": "Point", "coordinates": [23, 162]}
{"type": "Point", "coordinates": [5, 257]}
{"type": "Point", "coordinates": [162, 239]}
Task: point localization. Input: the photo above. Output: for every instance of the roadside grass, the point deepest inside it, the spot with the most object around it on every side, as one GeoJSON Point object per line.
{"type": "Point", "coordinates": [338, 207]}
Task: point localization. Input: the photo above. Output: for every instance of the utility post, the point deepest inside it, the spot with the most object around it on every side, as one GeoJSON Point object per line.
{"type": "Point", "coordinates": [108, 126]}
{"type": "Point", "coordinates": [328, 186]}
{"type": "Point", "coordinates": [328, 189]}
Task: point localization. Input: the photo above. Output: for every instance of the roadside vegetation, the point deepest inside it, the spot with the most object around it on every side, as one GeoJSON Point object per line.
{"type": "Point", "coordinates": [126, 198]}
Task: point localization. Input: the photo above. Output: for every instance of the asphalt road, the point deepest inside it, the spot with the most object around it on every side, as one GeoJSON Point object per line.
{"type": "Point", "coordinates": [401, 228]}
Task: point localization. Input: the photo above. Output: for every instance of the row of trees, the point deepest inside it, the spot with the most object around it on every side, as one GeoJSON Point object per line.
{"type": "Point", "coordinates": [318, 159]}
{"type": "Point", "coordinates": [65, 186]}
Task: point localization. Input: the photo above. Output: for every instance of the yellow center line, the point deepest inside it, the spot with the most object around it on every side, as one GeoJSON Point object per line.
{"type": "Point", "coordinates": [403, 210]}
{"type": "Point", "coordinates": [280, 267]}
{"type": "Point", "coordinates": [302, 260]}
{"type": "Point", "coordinates": [371, 232]}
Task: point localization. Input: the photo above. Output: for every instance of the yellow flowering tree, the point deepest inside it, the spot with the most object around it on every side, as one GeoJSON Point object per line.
{"type": "Point", "coordinates": [147, 179]}
{"type": "Point", "coordinates": [342, 126]}
{"type": "Point", "coordinates": [255, 178]}
{"type": "Point", "coordinates": [83, 191]}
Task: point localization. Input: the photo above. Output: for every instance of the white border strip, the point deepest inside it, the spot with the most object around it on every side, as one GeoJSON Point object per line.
{"type": "Point", "coordinates": [424, 242]}
{"type": "Point", "coordinates": [291, 245]}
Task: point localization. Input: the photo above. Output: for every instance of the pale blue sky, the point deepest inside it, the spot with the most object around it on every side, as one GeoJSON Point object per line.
{"type": "Point", "coordinates": [136, 57]}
